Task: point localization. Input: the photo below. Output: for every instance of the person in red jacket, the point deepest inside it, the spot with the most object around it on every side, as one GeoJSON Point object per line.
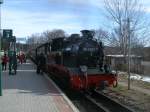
{"type": "Point", "coordinates": [4, 62]}
{"type": "Point", "coordinates": [21, 58]}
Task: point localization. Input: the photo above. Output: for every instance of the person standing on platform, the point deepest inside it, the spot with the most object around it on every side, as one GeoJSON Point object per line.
{"type": "Point", "coordinates": [25, 58]}
{"type": "Point", "coordinates": [10, 63]}
{"type": "Point", "coordinates": [15, 63]}
{"type": "Point", "coordinates": [37, 63]}
{"type": "Point", "coordinates": [20, 58]}
{"type": "Point", "coordinates": [41, 63]}
{"type": "Point", "coordinates": [4, 62]}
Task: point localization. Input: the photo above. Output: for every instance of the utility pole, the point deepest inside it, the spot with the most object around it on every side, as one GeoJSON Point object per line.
{"type": "Point", "coordinates": [129, 51]}
{"type": "Point", "coordinates": [1, 1]}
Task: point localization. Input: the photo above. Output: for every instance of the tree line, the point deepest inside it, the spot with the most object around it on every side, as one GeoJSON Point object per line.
{"type": "Point", "coordinates": [39, 38]}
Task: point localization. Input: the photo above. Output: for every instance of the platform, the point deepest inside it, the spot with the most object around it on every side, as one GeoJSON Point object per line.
{"type": "Point", "coordinates": [29, 92]}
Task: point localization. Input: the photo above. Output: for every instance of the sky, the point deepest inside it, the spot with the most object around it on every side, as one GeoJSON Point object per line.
{"type": "Point", "coordinates": [26, 17]}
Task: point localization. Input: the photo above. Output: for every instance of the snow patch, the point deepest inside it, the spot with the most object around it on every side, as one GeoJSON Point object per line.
{"type": "Point", "coordinates": [135, 76]}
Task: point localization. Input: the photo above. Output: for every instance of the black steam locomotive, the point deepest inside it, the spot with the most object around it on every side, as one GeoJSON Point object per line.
{"type": "Point", "coordinates": [78, 61]}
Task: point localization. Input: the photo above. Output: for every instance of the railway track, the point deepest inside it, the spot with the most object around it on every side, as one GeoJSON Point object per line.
{"type": "Point", "coordinates": [93, 102]}
{"type": "Point", "coordinates": [105, 103]}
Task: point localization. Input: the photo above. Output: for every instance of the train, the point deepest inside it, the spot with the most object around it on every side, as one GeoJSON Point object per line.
{"type": "Point", "coordinates": [78, 61]}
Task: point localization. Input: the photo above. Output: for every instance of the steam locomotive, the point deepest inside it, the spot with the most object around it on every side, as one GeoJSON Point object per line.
{"type": "Point", "coordinates": [78, 61]}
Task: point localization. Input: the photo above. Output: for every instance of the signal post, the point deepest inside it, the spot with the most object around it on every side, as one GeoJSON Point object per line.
{"type": "Point", "coordinates": [1, 1]}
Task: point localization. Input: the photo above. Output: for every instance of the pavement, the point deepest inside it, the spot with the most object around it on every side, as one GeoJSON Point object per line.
{"type": "Point", "coordinates": [29, 92]}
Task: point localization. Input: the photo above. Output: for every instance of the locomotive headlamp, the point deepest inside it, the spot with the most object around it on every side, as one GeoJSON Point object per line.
{"type": "Point", "coordinates": [83, 68]}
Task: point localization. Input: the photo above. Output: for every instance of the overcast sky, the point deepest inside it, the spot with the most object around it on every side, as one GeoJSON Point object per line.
{"type": "Point", "coordinates": [26, 17]}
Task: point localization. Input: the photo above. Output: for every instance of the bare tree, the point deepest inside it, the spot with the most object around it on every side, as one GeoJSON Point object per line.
{"type": "Point", "coordinates": [39, 38]}
{"type": "Point", "coordinates": [34, 40]}
{"type": "Point", "coordinates": [119, 12]}
{"type": "Point", "coordinates": [54, 34]}
{"type": "Point", "coordinates": [101, 35]}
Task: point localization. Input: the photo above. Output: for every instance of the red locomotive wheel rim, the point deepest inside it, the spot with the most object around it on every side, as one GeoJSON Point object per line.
{"type": "Point", "coordinates": [115, 83]}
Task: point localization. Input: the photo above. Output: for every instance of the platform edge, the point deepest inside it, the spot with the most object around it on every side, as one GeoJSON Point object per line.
{"type": "Point", "coordinates": [64, 96]}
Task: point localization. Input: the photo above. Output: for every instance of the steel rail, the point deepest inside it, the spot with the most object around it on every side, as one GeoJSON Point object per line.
{"type": "Point", "coordinates": [106, 103]}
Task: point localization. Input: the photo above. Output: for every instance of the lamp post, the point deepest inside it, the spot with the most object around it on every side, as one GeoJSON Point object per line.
{"type": "Point", "coordinates": [1, 1]}
{"type": "Point", "coordinates": [129, 52]}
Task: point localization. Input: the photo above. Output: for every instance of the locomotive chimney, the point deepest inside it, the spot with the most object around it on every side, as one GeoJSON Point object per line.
{"type": "Point", "coordinates": [87, 34]}
{"type": "Point", "coordinates": [75, 35]}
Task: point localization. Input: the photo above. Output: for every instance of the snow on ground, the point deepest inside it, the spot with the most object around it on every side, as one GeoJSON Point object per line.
{"type": "Point", "coordinates": [135, 76]}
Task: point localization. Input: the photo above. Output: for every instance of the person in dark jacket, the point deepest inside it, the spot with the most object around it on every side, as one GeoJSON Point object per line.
{"type": "Point", "coordinates": [10, 64]}
{"type": "Point", "coordinates": [37, 63]}
{"type": "Point", "coordinates": [41, 62]}
{"type": "Point", "coordinates": [15, 63]}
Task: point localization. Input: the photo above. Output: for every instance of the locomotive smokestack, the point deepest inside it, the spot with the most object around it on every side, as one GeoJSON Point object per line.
{"type": "Point", "coordinates": [75, 35]}
{"type": "Point", "coordinates": [87, 34]}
